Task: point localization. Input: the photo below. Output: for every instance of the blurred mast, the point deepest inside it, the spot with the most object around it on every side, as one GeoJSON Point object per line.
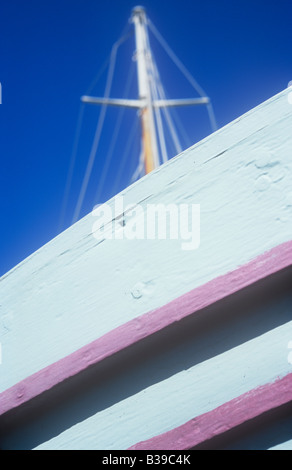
{"type": "Point", "coordinates": [146, 103]}
{"type": "Point", "coordinates": [143, 57]}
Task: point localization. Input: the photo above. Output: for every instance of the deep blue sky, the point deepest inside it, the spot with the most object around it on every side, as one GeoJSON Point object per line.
{"type": "Point", "coordinates": [50, 52]}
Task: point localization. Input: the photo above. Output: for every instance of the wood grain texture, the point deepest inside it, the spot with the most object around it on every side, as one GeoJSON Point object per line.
{"type": "Point", "coordinates": [224, 418]}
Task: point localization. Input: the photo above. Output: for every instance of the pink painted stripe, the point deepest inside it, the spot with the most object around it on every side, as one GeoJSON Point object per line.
{"type": "Point", "coordinates": [133, 331]}
{"type": "Point", "coordinates": [224, 418]}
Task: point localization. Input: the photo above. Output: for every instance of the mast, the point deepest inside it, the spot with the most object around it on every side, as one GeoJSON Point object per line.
{"type": "Point", "coordinates": [143, 58]}
{"type": "Point", "coordinates": [146, 102]}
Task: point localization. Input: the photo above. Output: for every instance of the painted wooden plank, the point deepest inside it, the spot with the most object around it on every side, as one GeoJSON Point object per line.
{"type": "Point", "coordinates": [133, 331]}
{"type": "Point", "coordinates": [76, 289]}
{"type": "Point", "coordinates": [224, 418]}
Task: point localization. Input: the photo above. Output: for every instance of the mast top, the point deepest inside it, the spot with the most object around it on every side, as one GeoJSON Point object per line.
{"type": "Point", "coordinates": [138, 10]}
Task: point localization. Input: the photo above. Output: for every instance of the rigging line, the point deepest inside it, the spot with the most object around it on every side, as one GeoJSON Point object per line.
{"type": "Point", "coordinates": [139, 169]}
{"type": "Point", "coordinates": [179, 125]}
{"type": "Point", "coordinates": [185, 72]}
{"type": "Point", "coordinates": [125, 35]}
{"type": "Point", "coordinates": [160, 91]}
{"type": "Point", "coordinates": [168, 116]}
{"type": "Point", "coordinates": [71, 167]}
{"type": "Point", "coordinates": [98, 75]}
{"type": "Point", "coordinates": [186, 139]}
{"type": "Point", "coordinates": [153, 80]}
{"type": "Point", "coordinates": [123, 161]}
{"type": "Point", "coordinates": [173, 112]}
{"type": "Point", "coordinates": [75, 145]}
{"type": "Point", "coordinates": [166, 111]}
{"type": "Point", "coordinates": [161, 134]}
{"type": "Point", "coordinates": [114, 140]}
{"type": "Point", "coordinates": [98, 129]}
{"type": "Point", "coordinates": [176, 60]}
{"type": "Point", "coordinates": [174, 135]}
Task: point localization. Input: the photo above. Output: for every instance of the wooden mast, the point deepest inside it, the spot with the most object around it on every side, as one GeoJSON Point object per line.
{"type": "Point", "coordinates": [147, 103]}
{"type": "Point", "coordinates": [143, 57]}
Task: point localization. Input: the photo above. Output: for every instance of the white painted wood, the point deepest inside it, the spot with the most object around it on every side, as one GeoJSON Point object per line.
{"type": "Point", "coordinates": [74, 289]}
{"type": "Point", "coordinates": [284, 446]}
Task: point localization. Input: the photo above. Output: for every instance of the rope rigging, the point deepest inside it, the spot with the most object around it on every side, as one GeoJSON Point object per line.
{"type": "Point", "coordinates": [184, 71]}
{"type": "Point", "coordinates": [98, 128]}
{"type": "Point", "coordinates": [158, 104]}
{"type": "Point", "coordinates": [115, 135]}
{"type": "Point", "coordinates": [76, 143]}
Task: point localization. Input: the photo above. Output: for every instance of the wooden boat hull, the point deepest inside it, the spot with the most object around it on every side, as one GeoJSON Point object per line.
{"type": "Point", "coordinates": [132, 344]}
